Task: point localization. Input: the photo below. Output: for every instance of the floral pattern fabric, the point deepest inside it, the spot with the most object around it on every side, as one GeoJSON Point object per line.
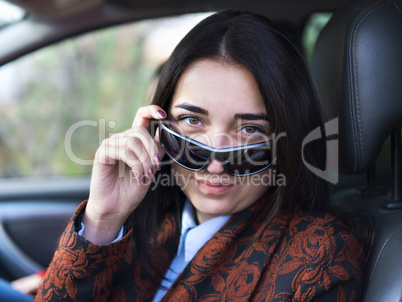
{"type": "Point", "coordinates": [299, 257]}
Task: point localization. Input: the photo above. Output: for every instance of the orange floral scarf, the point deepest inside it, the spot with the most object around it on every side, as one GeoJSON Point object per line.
{"type": "Point", "coordinates": [295, 257]}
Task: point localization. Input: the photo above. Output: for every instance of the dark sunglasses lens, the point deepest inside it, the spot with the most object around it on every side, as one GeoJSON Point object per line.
{"type": "Point", "coordinates": [249, 161]}
{"type": "Point", "coordinates": [240, 162]}
{"type": "Point", "coordinates": [197, 156]}
{"type": "Point", "coordinates": [185, 153]}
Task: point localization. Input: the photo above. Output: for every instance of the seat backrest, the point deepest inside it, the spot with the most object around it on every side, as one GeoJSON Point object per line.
{"type": "Point", "coordinates": [357, 68]}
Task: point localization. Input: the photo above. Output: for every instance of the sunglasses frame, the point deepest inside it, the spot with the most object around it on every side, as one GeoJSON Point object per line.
{"type": "Point", "coordinates": [214, 153]}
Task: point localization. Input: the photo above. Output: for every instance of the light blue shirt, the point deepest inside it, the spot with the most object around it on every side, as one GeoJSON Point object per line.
{"type": "Point", "coordinates": [193, 237]}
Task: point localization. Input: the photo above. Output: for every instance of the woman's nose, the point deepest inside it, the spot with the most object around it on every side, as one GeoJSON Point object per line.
{"type": "Point", "coordinates": [222, 140]}
{"type": "Point", "coordinates": [216, 139]}
{"type": "Point", "coordinates": [219, 140]}
{"type": "Point", "coordinates": [215, 167]}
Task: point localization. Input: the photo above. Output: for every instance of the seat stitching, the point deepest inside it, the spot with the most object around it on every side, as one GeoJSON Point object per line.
{"type": "Point", "coordinates": [357, 129]}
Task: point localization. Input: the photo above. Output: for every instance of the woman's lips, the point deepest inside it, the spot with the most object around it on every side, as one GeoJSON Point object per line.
{"type": "Point", "coordinates": [213, 188]}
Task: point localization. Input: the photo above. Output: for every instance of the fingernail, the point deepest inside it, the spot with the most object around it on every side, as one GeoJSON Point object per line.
{"type": "Point", "coordinates": [161, 113]}
{"type": "Point", "coordinates": [152, 174]}
{"type": "Point", "coordinates": [143, 178]}
{"type": "Point", "coordinates": [157, 161]}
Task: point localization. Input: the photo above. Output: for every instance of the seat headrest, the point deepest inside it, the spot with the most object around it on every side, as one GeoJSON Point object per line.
{"type": "Point", "coordinates": [357, 68]}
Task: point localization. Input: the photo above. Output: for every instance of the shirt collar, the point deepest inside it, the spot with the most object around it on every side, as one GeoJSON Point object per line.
{"type": "Point", "coordinates": [194, 236]}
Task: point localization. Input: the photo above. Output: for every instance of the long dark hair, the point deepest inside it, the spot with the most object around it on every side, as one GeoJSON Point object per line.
{"type": "Point", "coordinates": [256, 43]}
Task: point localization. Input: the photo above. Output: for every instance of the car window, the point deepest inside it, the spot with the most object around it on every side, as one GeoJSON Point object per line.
{"type": "Point", "coordinates": [312, 29]}
{"type": "Point", "coordinates": [10, 13]}
{"type": "Point", "coordinates": [58, 103]}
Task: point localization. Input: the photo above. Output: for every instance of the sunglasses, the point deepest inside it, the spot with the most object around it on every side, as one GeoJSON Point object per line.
{"type": "Point", "coordinates": [195, 156]}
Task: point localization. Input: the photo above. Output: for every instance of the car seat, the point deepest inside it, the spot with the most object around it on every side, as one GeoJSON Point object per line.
{"type": "Point", "coordinates": [357, 68]}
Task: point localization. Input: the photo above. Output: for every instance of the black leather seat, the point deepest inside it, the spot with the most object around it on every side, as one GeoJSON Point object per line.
{"type": "Point", "coordinates": [357, 68]}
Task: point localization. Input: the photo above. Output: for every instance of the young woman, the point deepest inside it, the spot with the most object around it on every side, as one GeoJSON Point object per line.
{"type": "Point", "coordinates": [219, 204]}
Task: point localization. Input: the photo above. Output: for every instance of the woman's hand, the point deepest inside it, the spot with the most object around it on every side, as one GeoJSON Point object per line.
{"type": "Point", "coordinates": [123, 170]}
{"type": "Point", "coordinates": [28, 285]}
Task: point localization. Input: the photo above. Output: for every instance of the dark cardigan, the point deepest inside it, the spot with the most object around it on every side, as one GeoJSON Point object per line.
{"type": "Point", "coordinates": [295, 257]}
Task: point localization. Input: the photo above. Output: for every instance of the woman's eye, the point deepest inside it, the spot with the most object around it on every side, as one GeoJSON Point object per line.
{"type": "Point", "coordinates": [252, 130]}
{"type": "Point", "coordinates": [193, 120]}
{"type": "Point", "coordinates": [189, 120]}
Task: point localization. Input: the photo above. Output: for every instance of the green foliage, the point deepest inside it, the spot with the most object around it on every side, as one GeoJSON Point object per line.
{"type": "Point", "coordinates": [101, 76]}
{"type": "Point", "coordinates": [313, 27]}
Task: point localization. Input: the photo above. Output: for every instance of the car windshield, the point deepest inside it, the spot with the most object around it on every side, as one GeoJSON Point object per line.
{"type": "Point", "coordinates": [10, 13]}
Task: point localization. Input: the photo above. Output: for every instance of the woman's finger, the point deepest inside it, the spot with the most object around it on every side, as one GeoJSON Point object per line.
{"type": "Point", "coordinates": [146, 114]}
{"type": "Point", "coordinates": [135, 147]}
{"type": "Point", "coordinates": [152, 147]}
{"type": "Point", "coordinates": [138, 158]}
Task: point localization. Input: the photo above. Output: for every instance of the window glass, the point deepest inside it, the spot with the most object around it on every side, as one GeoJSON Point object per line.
{"type": "Point", "coordinates": [58, 104]}
{"type": "Point", "coordinates": [312, 29]}
{"type": "Point", "coordinates": [10, 13]}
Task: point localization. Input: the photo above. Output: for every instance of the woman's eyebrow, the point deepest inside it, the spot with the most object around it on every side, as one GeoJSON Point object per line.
{"type": "Point", "coordinates": [192, 108]}
{"type": "Point", "coordinates": [250, 116]}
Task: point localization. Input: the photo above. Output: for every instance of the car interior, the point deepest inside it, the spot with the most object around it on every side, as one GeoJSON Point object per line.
{"type": "Point", "coordinates": [356, 69]}
{"type": "Point", "coordinates": [355, 62]}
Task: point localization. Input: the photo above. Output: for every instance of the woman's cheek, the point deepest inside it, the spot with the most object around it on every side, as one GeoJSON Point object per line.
{"type": "Point", "coordinates": [181, 176]}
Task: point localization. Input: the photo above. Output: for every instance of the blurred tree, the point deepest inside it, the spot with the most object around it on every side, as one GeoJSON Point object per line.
{"type": "Point", "coordinates": [97, 76]}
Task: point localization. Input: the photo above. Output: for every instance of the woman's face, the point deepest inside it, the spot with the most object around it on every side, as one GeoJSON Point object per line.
{"type": "Point", "coordinates": [219, 105]}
